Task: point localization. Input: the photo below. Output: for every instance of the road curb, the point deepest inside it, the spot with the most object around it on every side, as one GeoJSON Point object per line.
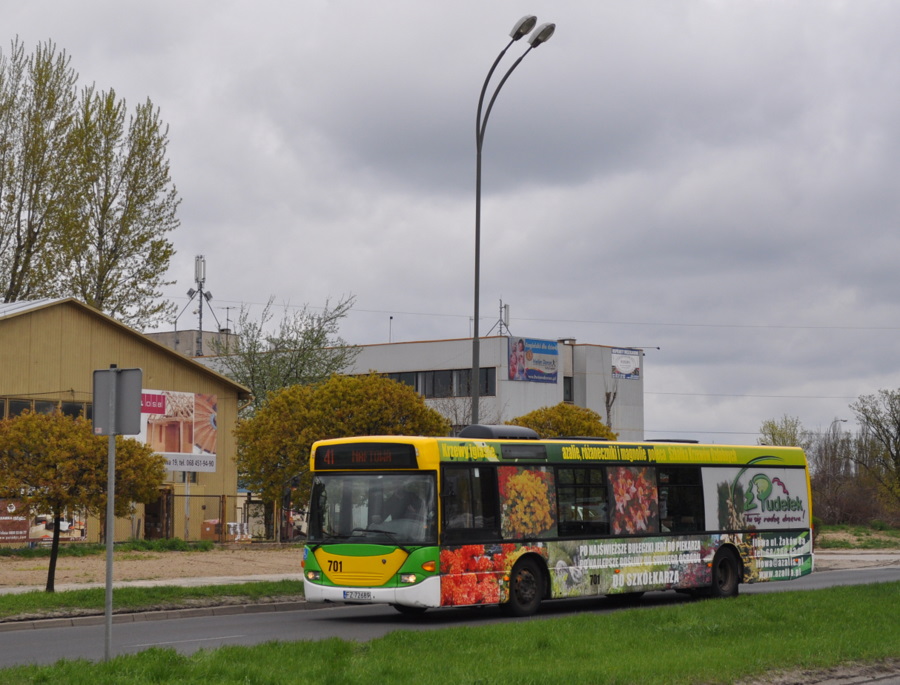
{"type": "Point", "coordinates": [161, 615]}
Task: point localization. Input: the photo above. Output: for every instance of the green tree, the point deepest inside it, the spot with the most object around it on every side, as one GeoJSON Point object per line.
{"type": "Point", "coordinates": [85, 200]}
{"type": "Point", "coordinates": [304, 348]}
{"type": "Point", "coordinates": [878, 455]}
{"type": "Point", "coordinates": [274, 444]}
{"type": "Point", "coordinates": [116, 254]}
{"type": "Point", "coordinates": [565, 420]}
{"type": "Point", "coordinates": [785, 432]}
{"type": "Point", "coordinates": [38, 191]}
{"type": "Point", "coordinates": [54, 464]}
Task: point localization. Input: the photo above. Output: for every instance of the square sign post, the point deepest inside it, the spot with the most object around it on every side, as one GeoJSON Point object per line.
{"type": "Point", "coordinates": [117, 411]}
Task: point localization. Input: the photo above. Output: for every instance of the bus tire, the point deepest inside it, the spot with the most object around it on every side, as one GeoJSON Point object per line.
{"type": "Point", "coordinates": [408, 610]}
{"type": "Point", "coordinates": [725, 574]}
{"type": "Point", "coordinates": [526, 588]}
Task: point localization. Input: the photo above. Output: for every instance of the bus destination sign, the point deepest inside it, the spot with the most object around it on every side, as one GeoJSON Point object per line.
{"type": "Point", "coordinates": [365, 455]}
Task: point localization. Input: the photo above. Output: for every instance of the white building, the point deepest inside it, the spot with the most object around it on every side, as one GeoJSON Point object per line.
{"type": "Point", "coordinates": [518, 375]}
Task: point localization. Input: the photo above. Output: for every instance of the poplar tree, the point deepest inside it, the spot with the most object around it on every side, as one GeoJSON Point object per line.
{"type": "Point", "coordinates": [116, 254]}
{"type": "Point", "coordinates": [38, 191]}
{"type": "Point", "coordinates": [86, 200]}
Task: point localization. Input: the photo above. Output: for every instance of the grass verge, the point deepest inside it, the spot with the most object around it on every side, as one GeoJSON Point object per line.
{"type": "Point", "coordinates": [858, 537]}
{"type": "Point", "coordinates": [75, 602]}
{"type": "Point", "coordinates": [703, 641]}
{"type": "Point", "coordinates": [83, 549]}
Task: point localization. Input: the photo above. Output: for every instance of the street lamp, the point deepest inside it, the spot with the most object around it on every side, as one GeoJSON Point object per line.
{"type": "Point", "coordinates": [538, 36]}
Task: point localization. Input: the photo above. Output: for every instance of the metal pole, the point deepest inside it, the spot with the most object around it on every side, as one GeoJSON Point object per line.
{"type": "Point", "coordinates": [480, 126]}
{"type": "Point", "coordinates": [110, 512]}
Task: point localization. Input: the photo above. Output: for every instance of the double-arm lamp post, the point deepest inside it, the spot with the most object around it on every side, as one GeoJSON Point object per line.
{"type": "Point", "coordinates": [538, 36]}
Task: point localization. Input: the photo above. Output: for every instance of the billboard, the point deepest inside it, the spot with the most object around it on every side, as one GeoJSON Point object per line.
{"type": "Point", "coordinates": [14, 523]}
{"type": "Point", "coordinates": [182, 427]}
{"type": "Point", "coordinates": [533, 360]}
{"type": "Point", "coordinates": [626, 363]}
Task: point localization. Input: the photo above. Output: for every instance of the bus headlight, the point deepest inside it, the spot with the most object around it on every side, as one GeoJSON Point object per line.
{"type": "Point", "coordinates": [313, 575]}
{"type": "Point", "coordinates": [408, 578]}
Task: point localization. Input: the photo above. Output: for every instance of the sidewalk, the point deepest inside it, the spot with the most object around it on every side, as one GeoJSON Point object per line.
{"type": "Point", "coordinates": [843, 559]}
{"type": "Point", "coordinates": [183, 582]}
{"type": "Point", "coordinates": [826, 560]}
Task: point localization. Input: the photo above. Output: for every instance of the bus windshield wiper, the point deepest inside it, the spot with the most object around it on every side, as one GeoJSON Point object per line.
{"type": "Point", "coordinates": [326, 538]}
{"type": "Point", "coordinates": [389, 534]}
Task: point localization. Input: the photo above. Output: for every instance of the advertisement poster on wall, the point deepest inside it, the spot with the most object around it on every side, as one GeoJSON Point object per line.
{"type": "Point", "coordinates": [533, 360]}
{"type": "Point", "coordinates": [13, 521]}
{"type": "Point", "coordinates": [182, 427]}
{"type": "Point", "coordinates": [626, 363]}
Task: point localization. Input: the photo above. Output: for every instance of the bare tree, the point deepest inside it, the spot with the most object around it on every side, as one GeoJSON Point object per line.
{"type": "Point", "coordinates": [303, 348]}
{"type": "Point", "coordinates": [458, 411]}
{"type": "Point", "coordinates": [879, 419]}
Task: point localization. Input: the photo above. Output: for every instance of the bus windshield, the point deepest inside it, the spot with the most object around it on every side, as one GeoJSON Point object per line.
{"type": "Point", "coordinates": [375, 508]}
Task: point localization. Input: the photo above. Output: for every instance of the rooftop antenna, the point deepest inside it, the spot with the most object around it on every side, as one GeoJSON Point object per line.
{"type": "Point", "coordinates": [503, 321]}
{"type": "Point", "coordinates": [201, 294]}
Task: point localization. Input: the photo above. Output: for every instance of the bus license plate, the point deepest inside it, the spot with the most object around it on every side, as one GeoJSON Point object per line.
{"type": "Point", "coordinates": [357, 594]}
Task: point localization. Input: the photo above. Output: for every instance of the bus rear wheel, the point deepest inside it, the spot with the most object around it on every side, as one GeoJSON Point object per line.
{"type": "Point", "coordinates": [526, 588]}
{"type": "Point", "coordinates": [725, 577]}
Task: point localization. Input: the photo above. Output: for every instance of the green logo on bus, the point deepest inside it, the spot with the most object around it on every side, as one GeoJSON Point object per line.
{"type": "Point", "coordinates": [763, 492]}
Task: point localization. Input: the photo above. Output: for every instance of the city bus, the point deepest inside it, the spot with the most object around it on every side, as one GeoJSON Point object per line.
{"type": "Point", "coordinates": [499, 517]}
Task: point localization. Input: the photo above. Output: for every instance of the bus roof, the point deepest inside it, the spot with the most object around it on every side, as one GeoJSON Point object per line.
{"type": "Point", "coordinates": [374, 452]}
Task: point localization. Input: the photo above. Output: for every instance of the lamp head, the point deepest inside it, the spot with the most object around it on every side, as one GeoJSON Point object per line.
{"type": "Point", "coordinates": [541, 34]}
{"type": "Point", "coordinates": [523, 27]}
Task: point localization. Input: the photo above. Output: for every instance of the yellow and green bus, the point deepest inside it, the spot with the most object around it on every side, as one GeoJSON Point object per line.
{"type": "Point", "coordinates": [498, 517]}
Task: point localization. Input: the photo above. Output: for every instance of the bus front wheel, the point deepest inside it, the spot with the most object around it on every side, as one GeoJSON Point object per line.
{"type": "Point", "coordinates": [725, 576]}
{"type": "Point", "coordinates": [526, 588]}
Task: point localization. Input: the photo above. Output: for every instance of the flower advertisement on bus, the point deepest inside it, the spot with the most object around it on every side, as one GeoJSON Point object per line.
{"type": "Point", "coordinates": [528, 502]}
{"type": "Point", "coordinates": [769, 505]}
{"type": "Point", "coordinates": [533, 360]}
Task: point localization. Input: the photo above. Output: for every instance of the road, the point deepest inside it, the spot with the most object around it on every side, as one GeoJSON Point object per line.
{"type": "Point", "coordinates": [45, 645]}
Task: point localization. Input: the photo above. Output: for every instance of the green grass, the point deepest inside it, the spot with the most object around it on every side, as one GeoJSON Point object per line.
{"type": "Point", "coordinates": [695, 642]}
{"type": "Point", "coordinates": [37, 604]}
{"type": "Point", "coordinates": [83, 549]}
{"type": "Point", "coordinates": [876, 536]}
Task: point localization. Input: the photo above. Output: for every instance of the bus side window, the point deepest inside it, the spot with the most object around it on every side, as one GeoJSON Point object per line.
{"type": "Point", "coordinates": [680, 499]}
{"type": "Point", "coordinates": [582, 501]}
{"type": "Point", "coordinates": [469, 503]}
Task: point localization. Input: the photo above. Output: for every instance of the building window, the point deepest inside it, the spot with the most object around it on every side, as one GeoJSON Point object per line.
{"type": "Point", "coordinates": [447, 383]}
{"type": "Point", "coordinates": [17, 407]}
{"type": "Point", "coordinates": [73, 409]}
{"type": "Point", "coordinates": [407, 378]}
{"type": "Point", "coordinates": [44, 407]}
{"type": "Point", "coordinates": [443, 383]}
{"type": "Point", "coordinates": [488, 384]}
{"type": "Point", "coordinates": [568, 393]}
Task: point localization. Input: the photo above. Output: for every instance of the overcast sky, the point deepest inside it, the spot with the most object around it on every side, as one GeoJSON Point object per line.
{"type": "Point", "coordinates": [713, 178]}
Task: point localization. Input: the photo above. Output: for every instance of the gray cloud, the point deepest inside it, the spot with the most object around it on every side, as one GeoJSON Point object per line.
{"type": "Point", "coordinates": [716, 179]}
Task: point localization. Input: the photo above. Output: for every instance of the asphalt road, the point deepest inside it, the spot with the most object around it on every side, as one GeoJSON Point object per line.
{"type": "Point", "coordinates": [44, 642]}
